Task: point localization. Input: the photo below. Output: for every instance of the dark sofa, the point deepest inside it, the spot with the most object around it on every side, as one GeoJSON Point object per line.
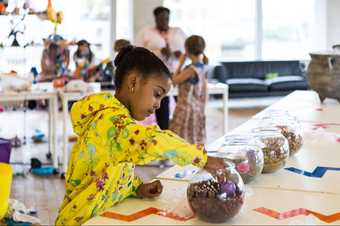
{"type": "Point", "coordinates": [248, 78]}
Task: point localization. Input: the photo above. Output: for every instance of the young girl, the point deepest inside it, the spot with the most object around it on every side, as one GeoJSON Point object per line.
{"type": "Point", "coordinates": [85, 62]}
{"type": "Point", "coordinates": [83, 54]}
{"type": "Point", "coordinates": [101, 168]}
{"type": "Point", "coordinates": [189, 117]}
{"type": "Point", "coordinates": [120, 44]}
{"type": "Point", "coordinates": [55, 58]}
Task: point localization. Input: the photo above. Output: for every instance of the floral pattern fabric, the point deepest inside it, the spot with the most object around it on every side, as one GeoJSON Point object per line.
{"type": "Point", "coordinates": [189, 117]}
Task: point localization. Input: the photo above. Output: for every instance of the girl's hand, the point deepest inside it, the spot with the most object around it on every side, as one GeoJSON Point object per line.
{"type": "Point", "coordinates": [215, 163]}
{"type": "Point", "coordinates": [177, 54]}
{"type": "Point", "coordinates": [150, 190]}
{"type": "Point", "coordinates": [166, 52]}
{"type": "Point", "coordinates": [182, 59]}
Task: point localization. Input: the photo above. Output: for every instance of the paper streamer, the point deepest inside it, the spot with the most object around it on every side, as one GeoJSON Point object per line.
{"type": "Point", "coordinates": [320, 126]}
{"type": "Point", "coordinates": [317, 134]}
{"type": "Point", "coordinates": [296, 212]}
{"type": "Point", "coordinates": [317, 173]}
{"type": "Point", "coordinates": [324, 125]}
{"type": "Point", "coordinates": [144, 213]}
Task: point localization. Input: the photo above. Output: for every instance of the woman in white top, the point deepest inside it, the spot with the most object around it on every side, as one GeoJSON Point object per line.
{"type": "Point", "coordinates": [168, 44]}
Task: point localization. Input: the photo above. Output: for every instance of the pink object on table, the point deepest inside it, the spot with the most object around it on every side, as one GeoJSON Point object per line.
{"type": "Point", "coordinates": [321, 126]}
{"type": "Point", "coordinates": [243, 167]}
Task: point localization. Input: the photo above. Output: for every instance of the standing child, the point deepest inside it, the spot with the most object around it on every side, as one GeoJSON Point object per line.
{"type": "Point", "coordinates": [84, 60]}
{"type": "Point", "coordinates": [120, 44]}
{"type": "Point", "coordinates": [101, 168]}
{"type": "Point", "coordinates": [189, 118]}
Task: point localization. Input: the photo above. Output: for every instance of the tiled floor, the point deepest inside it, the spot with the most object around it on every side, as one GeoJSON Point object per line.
{"type": "Point", "coordinates": [46, 193]}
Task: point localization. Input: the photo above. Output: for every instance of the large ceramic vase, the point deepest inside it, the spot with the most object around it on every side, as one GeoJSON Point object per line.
{"type": "Point", "coordinates": [323, 74]}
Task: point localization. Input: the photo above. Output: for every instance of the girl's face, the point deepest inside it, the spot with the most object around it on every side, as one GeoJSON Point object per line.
{"type": "Point", "coordinates": [147, 94]}
{"type": "Point", "coordinates": [84, 49]}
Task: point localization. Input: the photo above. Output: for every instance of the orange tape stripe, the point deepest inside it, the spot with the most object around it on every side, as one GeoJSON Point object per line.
{"type": "Point", "coordinates": [297, 212]}
{"type": "Point", "coordinates": [174, 216]}
{"type": "Point", "coordinates": [131, 217]}
{"type": "Point", "coordinates": [144, 213]}
{"type": "Point", "coordinates": [327, 218]}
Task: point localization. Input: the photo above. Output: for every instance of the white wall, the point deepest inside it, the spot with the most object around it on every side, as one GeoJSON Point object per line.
{"type": "Point", "coordinates": [143, 13]}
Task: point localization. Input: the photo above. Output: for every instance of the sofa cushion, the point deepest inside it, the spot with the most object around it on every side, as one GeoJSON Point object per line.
{"type": "Point", "coordinates": [247, 85]}
{"type": "Point", "coordinates": [258, 69]}
{"type": "Point", "coordinates": [218, 73]}
{"type": "Point", "coordinates": [253, 69]}
{"type": "Point", "coordinates": [286, 83]}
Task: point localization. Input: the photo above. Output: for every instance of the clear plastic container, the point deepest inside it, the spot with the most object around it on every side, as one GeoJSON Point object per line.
{"type": "Point", "coordinates": [293, 135]}
{"type": "Point", "coordinates": [275, 150]}
{"type": "Point", "coordinates": [273, 113]}
{"type": "Point", "coordinates": [243, 138]}
{"type": "Point", "coordinates": [216, 197]}
{"type": "Point", "coordinates": [247, 156]}
{"type": "Point", "coordinates": [290, 128]}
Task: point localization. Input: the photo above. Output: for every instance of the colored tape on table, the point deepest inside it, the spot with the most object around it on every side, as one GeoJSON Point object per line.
{"type": "Point", "coordinates": [296, 212]}
{"type": "Point", "coordinates": [144, 213]}
{"type": "Point", "coordinates": [317, 173]}
{"type": "Point", "coordinates": [324, 125]}
{"type": "Point", "coordinates": [283, 215]}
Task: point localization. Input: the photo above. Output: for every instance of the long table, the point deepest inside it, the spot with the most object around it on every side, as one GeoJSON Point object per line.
{"type": "Point", "coordinates": [310, 197]}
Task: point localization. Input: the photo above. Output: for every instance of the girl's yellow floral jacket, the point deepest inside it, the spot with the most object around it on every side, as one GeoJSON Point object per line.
{"type": "Point", "coordinates": [101, 168]}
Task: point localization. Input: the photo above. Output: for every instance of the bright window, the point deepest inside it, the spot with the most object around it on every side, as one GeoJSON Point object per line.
{"type": "Point", "coordinates": [230, 27]}
{"type": "Point", "coordinates": [287, 28]}
{"type": "Point", "coordinates": [227, 26]}
{"type": "Point", "coordinates": [124, 19]}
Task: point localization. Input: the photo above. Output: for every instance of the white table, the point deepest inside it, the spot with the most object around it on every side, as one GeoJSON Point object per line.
{"type": "Point", "coordinates": [66, 97]}
{"type": "Point", "coordinates": [51, 96]}
{"type": "Point", "coordinates": [282, 191]}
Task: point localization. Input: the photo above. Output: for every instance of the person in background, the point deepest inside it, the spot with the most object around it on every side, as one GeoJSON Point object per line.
{"type": "Point", "coordinates": [84, 60]}
{"type": "Point", "coordinates": [110, 144]}
{"type": "Point", "coordinates": [55, 58]}
{"type": "Point", "coordinates": [168, 44]}
{"type": "Point", "coordinates": [49, 63]}
{"type": "Point", "coordinates": [189, 117]}
{"type": "Point", "coordinates": [120, 44]}
{"type": "Point", "coordinates": [83, 54]}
